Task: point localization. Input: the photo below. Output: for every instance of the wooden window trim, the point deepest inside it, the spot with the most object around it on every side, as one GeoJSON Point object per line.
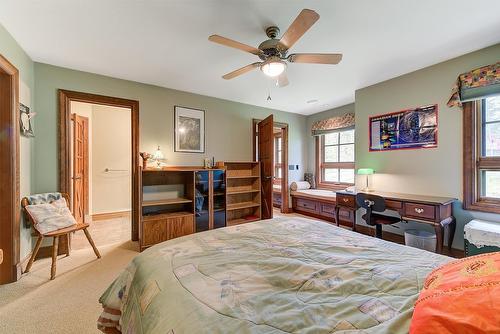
{"type": "Point", "coordinates": [277, 165]}
{"type": "Point", "coordinates": [320, 165]}
{"type": "Point", "coordinates": [473, 162]}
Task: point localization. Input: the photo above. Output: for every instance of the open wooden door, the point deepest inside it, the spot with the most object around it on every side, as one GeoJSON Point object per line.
{"type": "Point", "coordinates": [266, 159]}
{"type": "Point", "coordinates": [80, 166]}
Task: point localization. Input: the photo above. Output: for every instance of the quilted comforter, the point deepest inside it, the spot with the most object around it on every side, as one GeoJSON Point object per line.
{"type": "Point", "coordinates": [285, 275]}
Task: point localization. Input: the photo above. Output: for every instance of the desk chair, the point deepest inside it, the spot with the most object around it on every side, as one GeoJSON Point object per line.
{"type": "Point", "coordinates": [56, 235]}
{"type": "Point", "coordinates": [373, 204]}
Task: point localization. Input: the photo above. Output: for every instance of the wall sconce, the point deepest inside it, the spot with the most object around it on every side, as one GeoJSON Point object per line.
{"type": "Point", "coordinates": [367, 172]}
{"type": "Point", "coordinates": [158, 156]}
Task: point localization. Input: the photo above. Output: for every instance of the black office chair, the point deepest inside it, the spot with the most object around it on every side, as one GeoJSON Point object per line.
{"type": "Point", "coordinates": [373, 203]}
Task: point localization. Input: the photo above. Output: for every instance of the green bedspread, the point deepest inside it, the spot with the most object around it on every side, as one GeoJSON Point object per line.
{"type": "Point", "coordinates": [286, 275]}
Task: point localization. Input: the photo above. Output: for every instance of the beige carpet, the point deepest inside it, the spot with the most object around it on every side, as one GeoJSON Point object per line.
{"type": "Point", "coordinates": [68, 304]}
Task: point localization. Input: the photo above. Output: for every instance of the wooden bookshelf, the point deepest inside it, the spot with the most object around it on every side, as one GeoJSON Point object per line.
{"type": "Point", "coordinates": [243, 192]}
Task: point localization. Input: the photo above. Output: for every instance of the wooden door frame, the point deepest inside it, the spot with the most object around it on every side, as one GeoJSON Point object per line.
{"type": "Point", "coordinates": [65, 99]}
{"type": "Point", "coordinates": [285, 196]}
{"type": "Point", "coordinates": [9, 177]}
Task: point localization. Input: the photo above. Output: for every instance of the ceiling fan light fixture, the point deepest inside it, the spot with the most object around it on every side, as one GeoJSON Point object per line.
{"type": "Point", "coordinates": [273, 67]}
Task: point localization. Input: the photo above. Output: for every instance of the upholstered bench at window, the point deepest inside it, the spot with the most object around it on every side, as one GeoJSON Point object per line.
{"type": "Point", "coordinates": [50, 217]}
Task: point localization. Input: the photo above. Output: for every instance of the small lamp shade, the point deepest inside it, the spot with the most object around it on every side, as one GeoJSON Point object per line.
{"type": "Point", "coordinates": [158, 155]}
{"type": "Point", "coordinates": [365, 171]}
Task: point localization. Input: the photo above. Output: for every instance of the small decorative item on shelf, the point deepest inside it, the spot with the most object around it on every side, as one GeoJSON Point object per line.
{"type": "Point", "coordinates": [145, 157]}
{"type": "Point", "coordinates": [368, 172]}
{"type": "Point", "coordinates": [158, 156]}
{"type": "Point", "coordinates": [219, 164]}
{"type": "Point", "coordinates": [206, 163]}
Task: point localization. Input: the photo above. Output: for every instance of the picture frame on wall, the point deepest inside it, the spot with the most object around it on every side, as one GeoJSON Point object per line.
{"type": "Point", "coordinates": [414, 128]}
{"type": "Point", "coordinates": [189, 130]}
{"type": "Point", "coordinates": [25, 120]}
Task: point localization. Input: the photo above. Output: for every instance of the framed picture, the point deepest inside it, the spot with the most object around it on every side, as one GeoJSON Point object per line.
{"type": "Point", "coordinates": [25, 120]}
{"type": "Point", "coordinates": [406, 129]}
{"type": "Point", "coordinates": [189, 134]}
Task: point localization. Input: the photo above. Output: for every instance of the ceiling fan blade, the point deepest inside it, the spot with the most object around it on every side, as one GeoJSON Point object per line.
{"type": "Point", "coordinates": [302, 23]}
{"type": "Point", "coordinates": [241, 71]}
{"type": "Point", "coordinates": [233, 44]}
{"type": "Point", "coordinates": [282, 80]}
{"type": "Point", "coordinates": [315, 58]}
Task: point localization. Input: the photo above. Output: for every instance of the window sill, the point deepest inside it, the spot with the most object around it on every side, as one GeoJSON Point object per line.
{"type": "Point", "coordinates": [489, 206]}
{"type": "Point", "coordinates": [331, 186]}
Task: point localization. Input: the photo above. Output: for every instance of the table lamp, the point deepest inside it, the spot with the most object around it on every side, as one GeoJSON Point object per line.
{"type": "Point", "coordinates": [367, 172]}
{"type": "Point", "coordinates": [158, 156]}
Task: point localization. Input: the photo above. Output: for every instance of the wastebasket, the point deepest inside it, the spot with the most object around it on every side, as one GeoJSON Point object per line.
{"type": "Point", "coordinates": [421, 239]}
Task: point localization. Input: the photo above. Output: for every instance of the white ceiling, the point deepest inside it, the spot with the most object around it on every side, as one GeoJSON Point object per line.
{"type": "Point", "coordinates": [164, 42]}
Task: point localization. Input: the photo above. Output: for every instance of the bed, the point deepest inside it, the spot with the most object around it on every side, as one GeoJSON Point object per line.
{"type": "Point", "coordinates": [285, 275]}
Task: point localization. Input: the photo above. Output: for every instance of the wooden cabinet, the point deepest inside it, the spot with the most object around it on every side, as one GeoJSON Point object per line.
{"type": "Point", "coordinates": [162, 227]}
{"type": "Point", "coordinates": [210, 199]}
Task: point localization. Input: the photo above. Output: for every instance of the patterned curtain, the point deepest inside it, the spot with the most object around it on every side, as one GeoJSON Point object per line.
{"type": "Point", "coordinates": [476, 84]}
{"type": "Point", "coordinates": [332, 124]}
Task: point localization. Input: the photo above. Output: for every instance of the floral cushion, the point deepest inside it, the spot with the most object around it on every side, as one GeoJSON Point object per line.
{"type": "Point", "coordinates": [460, 297]}
{"type": "Point", "coordinates": [48, 217]}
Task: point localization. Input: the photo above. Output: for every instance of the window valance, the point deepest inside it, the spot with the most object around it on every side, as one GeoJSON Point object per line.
{"type": "Point", "coordinates": [476, 84]}
{"type": "Point", "coordinates": [332, 124]}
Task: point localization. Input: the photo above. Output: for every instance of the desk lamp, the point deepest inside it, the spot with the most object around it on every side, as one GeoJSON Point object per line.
{"type": "Point", "coordinates": [367, 172]}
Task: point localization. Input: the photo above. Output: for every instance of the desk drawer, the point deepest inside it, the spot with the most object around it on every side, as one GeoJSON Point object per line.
{"type": "Point", "coordinates": [346, 200]}
{"type": "Point", "coordinates": [420, 211]}
{"type": "Point", "coordinates": [393, 205]}
{"type": "Point", "coordinates": [327, 209]}
{"type": "Point", "coordinates": [307, 205]}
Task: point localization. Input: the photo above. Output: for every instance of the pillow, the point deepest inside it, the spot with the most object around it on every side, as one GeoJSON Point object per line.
{"type": "Point", "coordinates": [460, 297]}
{"type": "Point", "coordinates": [300, 185]}
{"type": "Point", "coordinates": [52, 216]}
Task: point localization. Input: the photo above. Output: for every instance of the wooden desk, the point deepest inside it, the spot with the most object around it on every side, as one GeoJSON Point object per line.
{"type": "Point", "coordinates": [432, 210]}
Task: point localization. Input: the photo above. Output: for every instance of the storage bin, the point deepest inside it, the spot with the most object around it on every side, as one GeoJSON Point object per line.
{"type": "Point", "coordinates": [481, 237]}
{"type": "Point", "coordinates": [421, 239]}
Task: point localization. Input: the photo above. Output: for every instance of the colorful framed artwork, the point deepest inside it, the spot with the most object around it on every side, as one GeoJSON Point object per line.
{"type": "Point", "coordinates": [406, 129]}
{"type": "Point", "coordinates": [189, 132]}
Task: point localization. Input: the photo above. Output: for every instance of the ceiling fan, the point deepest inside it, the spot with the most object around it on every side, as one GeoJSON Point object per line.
{"type": "Point", "coordinates": [273, 52]}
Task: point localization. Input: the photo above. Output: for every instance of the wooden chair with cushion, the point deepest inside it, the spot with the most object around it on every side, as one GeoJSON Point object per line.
{"type": "Point", "coordinates": [56, 234]}
{"type": "Point", "coordinates": [372, 204]}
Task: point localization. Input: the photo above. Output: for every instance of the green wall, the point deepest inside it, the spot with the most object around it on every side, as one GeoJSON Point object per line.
{"type": "Point", "coordinates": [228, 124]}
{"type": "Point", "coordinates": [435, 171]}
{"type": "Point", "coordinates": [16, 55]}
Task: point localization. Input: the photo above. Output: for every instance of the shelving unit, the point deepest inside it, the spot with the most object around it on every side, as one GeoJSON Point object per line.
{"type": "Point", "coordinates": [167, 201]}
{"type": "Point", "coordinates": [177, 201]}
{"type": "Point", "coordinates": [243, 192]}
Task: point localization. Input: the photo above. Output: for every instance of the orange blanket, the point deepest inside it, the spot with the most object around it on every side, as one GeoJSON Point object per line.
{"type": "Point", "coordinates": [460, 297]}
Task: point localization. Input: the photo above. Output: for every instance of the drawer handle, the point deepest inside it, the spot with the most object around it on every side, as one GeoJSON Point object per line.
{"type": "Point", "coordinates": [419, 210]}
{"type": "Point", "coordinates": [345, 200]}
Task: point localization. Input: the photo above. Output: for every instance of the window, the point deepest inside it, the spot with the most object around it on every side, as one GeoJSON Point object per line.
{"type": "Point", "coordinates": [277, 159]}
{"type": "Point", "coordinates": [335, 159]}
{"type": "Point", "coordinates": [482, 155]}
